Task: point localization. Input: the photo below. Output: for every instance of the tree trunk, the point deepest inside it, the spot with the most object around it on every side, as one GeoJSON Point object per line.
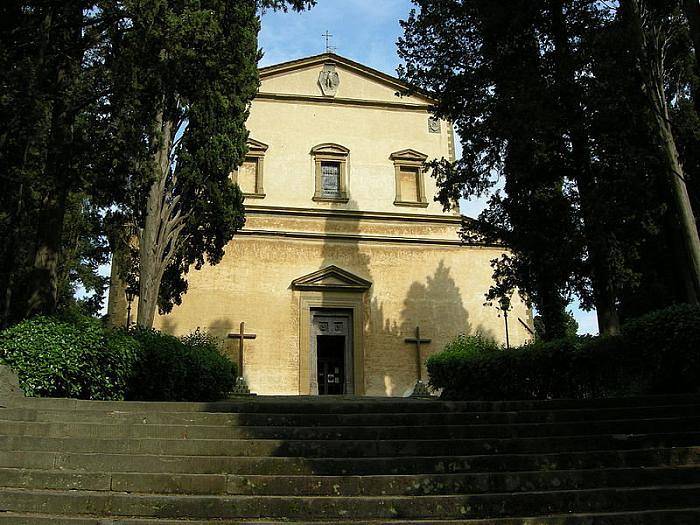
{"type": "Point", "coordinates": [149, 274]}
{"type": "Point", "coordinates": [43, 282]}
{"type": "Point", "coordinates": [11, 260]}
{"type": "Point", "coordinates": [66, 33]}
{"type": "Point", "coordinates": [651, 52]}
{"type": "Point", "coordinates": [604, 296]}
{"type": "Point", "coordinates": [44, 275]}
{"type": "Point", "coordinates": [117, 303]}
{"type": "Point", "coordinates": [552, 309]}
{"type": "Point", "coordinates": [164, 222]}
{"type": "Point", "coordinates": [688, 225]}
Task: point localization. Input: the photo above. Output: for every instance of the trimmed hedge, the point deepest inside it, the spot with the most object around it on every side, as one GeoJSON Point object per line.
{"type": "Point", "coordinates": [188, 369]}
{"type": "Point", "coordinates": [471, 345]}
{"type": "Point", "coordinates": [69, 357]}
{"type": "Point", "coordinates": [657, 353]}
{"type": "Point", "coordinates": [76, 356]}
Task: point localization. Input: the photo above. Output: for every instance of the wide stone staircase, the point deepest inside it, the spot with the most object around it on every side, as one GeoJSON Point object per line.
{"type": "Point", "coordinates": [351, 460]}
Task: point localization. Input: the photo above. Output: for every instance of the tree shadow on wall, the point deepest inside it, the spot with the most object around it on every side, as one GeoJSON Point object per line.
{"type": "Point", "coordinates": [435, 304]}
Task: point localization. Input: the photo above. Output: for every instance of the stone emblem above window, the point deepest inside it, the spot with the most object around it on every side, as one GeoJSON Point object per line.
{"type": "Point", "coordinates": [329, 80]}
{"type": "Point", "coordinates": [433, 125]}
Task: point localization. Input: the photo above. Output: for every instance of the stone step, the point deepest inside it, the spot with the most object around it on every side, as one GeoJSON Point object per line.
{"type": "Point", "coordinates": [346, 448]}
{"type": "Point", "coordinates": [408, 418]}
{"type": "Point", "coordinates": [384, 507]}
{"type": "Point", "coordinates": [100, 462]}
{"type": "Point", "coordinates": [418, 485]}
{"type": "Point", "coordinates": [446, 484]}
{"type": "Point", "coordinates": [655, 517]}
{"type": "Point", "coordinates": [352, 404]}
{"type": "Point", "coordinates": [349, 460]}
{"type": "Point", "coordinates": [141, 431]}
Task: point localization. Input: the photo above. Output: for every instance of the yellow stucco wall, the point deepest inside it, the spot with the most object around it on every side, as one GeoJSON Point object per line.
{"type": "Point", "coordinates": [371, 135]}
{"type": "Point", "coordinates": [441, 289]}
{"type": "Point", "coordinates": [420, 274]}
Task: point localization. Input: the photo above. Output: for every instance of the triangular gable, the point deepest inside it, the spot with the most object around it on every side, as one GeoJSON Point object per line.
{"type": "Point", "coordinates": [409, 155]}
{"type": "Point", "coordinates": [331, 278]}
{"type": "Point", "coordinates": [300, 77]}
{"type": "Point", "coordinates": [256, 145]}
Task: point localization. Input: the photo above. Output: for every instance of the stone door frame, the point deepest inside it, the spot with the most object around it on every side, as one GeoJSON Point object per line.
{"type": "Point", "coordinates": [317, 314]}
{"type": "Point", "coordinates": [352, 304]}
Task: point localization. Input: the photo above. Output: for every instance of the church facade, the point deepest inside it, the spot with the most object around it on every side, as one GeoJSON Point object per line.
{"type": "Point", "coordinates": [345, 253]}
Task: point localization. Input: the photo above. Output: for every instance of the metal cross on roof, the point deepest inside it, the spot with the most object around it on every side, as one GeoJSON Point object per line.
{"type": "Point", "coordinates": [327, 35]}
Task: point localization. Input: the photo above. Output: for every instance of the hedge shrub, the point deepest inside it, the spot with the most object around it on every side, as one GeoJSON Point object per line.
{"type": "Point", "coordinates": [188, 369]}
{"type": "Point", "coordinates": [471, 345]}
{"type": "Point", "coordinates": [665, 347]}
{"type": "Point", "coordinates": [76, 356]}
{"type": "Point", "coordinates": [69, 357]}
{"type": "Point", "coordinates": [658, 353]}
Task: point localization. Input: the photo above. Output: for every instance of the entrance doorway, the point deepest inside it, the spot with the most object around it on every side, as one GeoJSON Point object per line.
{"type": "Point", "coordinates": [331, 364]}
{"type": "Point", "coordinates": [331, 352]}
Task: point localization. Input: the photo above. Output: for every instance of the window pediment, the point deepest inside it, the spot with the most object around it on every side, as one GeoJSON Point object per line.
{"type": "Point", "coordinates": [331, 278]}
{"type": "Point", "coordinates": [408, 155]}
{"type": "Point", "coordinates": [256, 147]}
{"type": "Point", "coordinates": [331, 149]}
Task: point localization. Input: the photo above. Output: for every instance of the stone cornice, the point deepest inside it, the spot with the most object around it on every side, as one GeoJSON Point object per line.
{"type": "Point", "coordinates": [357, 239]}
{"type": "Point", "coordinates": [313, 99]}
{"type": "Point", "coordinates": [355, 214]}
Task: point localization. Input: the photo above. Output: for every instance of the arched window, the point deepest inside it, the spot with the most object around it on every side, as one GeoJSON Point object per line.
{"type": "Point", "coordinates": [331, 171]}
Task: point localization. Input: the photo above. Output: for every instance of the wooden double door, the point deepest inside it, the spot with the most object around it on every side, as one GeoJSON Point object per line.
{"type": "Point", "coordinates": [331, 352]}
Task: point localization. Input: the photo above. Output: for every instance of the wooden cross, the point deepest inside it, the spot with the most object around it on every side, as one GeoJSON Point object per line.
{"type": "Point", "coordinates": [418, 341]}
{"type": "Point", "coordinates": [241, 336]}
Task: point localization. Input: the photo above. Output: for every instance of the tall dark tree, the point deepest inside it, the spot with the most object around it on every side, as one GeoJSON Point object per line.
{"type": "Point", "coordinates": [568, 23]}
{"type": "Point", "coordinates": [484, 59]}
{"type": "Point", "coordinates": [539, 92]}
{"type": "Point", "coordinates": [655, 27]}
{"type": "Point", "coordinates": [91, 98]}
{"type": "Point", "coordinates": [185, 73]}
{"type": "Point", "coordinates": [632, 206]}
{"type": "Point", "coordinates": [52, 75]}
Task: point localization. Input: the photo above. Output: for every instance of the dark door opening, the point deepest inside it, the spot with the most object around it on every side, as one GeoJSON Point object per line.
{"type": "Point", "coordinates": [331, 364]}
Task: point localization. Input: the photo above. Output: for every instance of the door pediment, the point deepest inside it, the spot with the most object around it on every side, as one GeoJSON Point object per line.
{"type": "Point", "coordinates": [331, 279]}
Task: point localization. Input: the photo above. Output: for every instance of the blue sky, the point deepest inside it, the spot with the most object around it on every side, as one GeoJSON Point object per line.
{"type": "Point", "coordinates": [365, 31]}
